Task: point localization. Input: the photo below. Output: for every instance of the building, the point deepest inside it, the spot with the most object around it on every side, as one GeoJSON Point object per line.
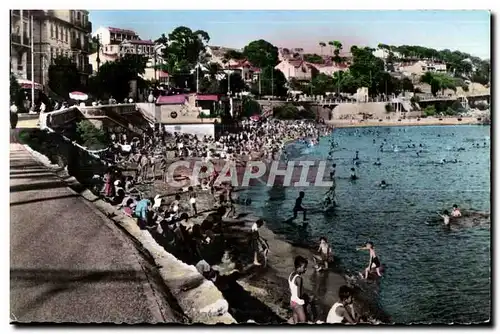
{"type": "Point", "coordinates": [296, 69]}
{"type": "Point", "coordinates": [248, 72]}
{"type": "Point", "coordinates": [115, 43]}
{"type": "Point", "coordinates": [20, 44]}
{"type": "Point", "coordinates": [418, 68]}
{"type": "Point", "coordinates": [217, 54]}
{"type": "Point", "coordinates": [330, 69]}
{"type": "Point", "coordinates": [61, 33]}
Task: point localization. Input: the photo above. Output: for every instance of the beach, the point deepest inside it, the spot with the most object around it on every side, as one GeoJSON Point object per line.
{"type": "Point", "coordinates": [405, 122]}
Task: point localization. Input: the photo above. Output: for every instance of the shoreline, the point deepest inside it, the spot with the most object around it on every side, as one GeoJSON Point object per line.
{"type": "Point", "coordinates": [404, 122]}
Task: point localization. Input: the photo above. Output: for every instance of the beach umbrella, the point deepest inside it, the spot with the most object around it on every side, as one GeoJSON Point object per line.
{"type": "Point", "coordinates": [78, 96]}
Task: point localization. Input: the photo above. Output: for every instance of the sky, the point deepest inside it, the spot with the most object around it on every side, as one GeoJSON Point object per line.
{"type": "Point", "coordinates": [466, 31]}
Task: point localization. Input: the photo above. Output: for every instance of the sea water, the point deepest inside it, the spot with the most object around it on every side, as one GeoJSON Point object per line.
{"type": "Point", "coordinates": [432, 274]}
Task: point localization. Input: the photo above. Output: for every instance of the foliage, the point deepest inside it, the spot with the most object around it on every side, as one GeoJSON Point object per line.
{"type": "Point", "coordinates": [261, 54]}
{"type": "Point", "coordinates": [234, 54]}
{"type": "Point", "coordinates": [236, 84]}
{"type": "Point", "coordinates": [183, 50]}
{"type": "Point", "coordinates": [90, 136]}
{"type": "Point", "coordinates": [389, 108]}
{"type": "Point", "coordinates": [313, 58]}
{"type": "Point", "coordinates": [430, 111]}
{"type": "Point", "coordinates": [250, 107]}
{"type": "Point", "coordinates": [15, 90]}
{"type": "Point", "coordinates": [272, 82]}
{"type": "Point", "coordinates": [368, 70]}
{"type": "Point", "coordinates": [289, 111]}
{"type": "Point", "coordinates": [113, 77]}
{"type": "Point", "coordinates": [439, 81]}
{"type": "Point", "coordinates": [63, 76]}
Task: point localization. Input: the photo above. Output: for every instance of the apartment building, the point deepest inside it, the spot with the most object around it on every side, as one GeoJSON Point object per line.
{"type": "Point", "coordinates": [20, 44]}
{"type": "Point", "coordinates": [296, 69]}
{"type": "Point", "coordinates": [418, 68]}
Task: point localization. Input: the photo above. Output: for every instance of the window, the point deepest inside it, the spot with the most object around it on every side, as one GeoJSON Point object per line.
{"type": "Point", "coordinates": [78, 16]}
{"type": "Point", "coordinates": [25, 28]}
{"type": "Point", "coordinates": [57, 32]}
{"type": "Point", "coordinates": [66, 35]}
{"type": "Point", "coordinates": [51, 30]}
{"type": "Point", "coordinates": [51, 54]}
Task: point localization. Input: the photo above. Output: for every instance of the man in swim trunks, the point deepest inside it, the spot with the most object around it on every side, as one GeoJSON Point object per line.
{"type": "Point", "coordinates": [374, 262]}
{"type": "Point", "coordinates": [297, 302]}
{"type": "Point", "coordinates": [298, 206]}
{"type": "Point", "coordinates": [446, 217]}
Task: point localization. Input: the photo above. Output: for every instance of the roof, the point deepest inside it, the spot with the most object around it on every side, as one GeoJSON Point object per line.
{"type": "Point", "coordinates": [141, 42]}
{"type": "Point", "coordinates": [122, 31]}
{"type": "Point", "coordinates": [211, 97]}
{"type": "Point", "coordinates": [163, 74]}
{"type": "Point", "coordinates": [172, 99]}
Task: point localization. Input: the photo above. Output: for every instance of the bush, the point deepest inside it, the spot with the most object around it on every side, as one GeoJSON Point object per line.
{"type": "Point", "coordinates": [250, 107]}
{"type": "Point", "coordinates": [430, 111]}
{"type": "Point", "coordinates": [289, 111]}
{"type": "Point", "coordinates": [90, 136]}
{"type": "Point", "coordinates": [389, 108]}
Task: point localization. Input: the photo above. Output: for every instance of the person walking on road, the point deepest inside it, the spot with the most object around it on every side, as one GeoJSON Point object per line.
{"type": "Point", "coordinates": [13, 115]}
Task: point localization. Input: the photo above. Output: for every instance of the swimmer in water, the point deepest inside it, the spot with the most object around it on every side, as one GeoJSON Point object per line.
{"type": "Point", "coordinates": [446, 217]}
{"type": "Point", "coordinates": [357, 155]}
{"type": "Point", "coordinates": [374, 262]}
{"type": "Point", "coordinates": [377, 163]}
{"type": "Point", "coordinates": [455, 212]}
{"type": "Point", "coordinates": [383, 184]}
{"type": "Point", "coordinates": [332, 172]}
{"type": "Point", "coordinates": [353, 174]}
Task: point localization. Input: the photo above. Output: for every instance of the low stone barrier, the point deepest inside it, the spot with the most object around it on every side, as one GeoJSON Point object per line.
{"type": "Point", "coordinates": [198, 297]}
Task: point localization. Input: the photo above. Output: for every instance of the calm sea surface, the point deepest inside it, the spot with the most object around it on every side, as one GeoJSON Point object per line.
{"type": "Point", "coordinates": [432, 274]}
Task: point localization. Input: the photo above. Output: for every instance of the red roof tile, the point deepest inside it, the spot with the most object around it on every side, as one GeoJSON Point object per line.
{"type": "Point", "coordinates": [172, 99]}
{"type": "Point", "coordinates": [163, 74]}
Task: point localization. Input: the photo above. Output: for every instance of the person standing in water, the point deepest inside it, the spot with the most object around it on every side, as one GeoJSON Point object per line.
{"type": "Point", "coordinates": [342, 311]}
{"type": "Point", "coordinates": [455, 212]}
{"type": "Point", "coordinates": [297, 303]}
{"type": "Point", "coordinates": [353, 174]}
{"type": "Point", "coordinates": [446, 217]}
{"type": "Point", "coordinates": [259, 245]}
{"type": "Point", "coordinates": [298, 206]}
{"type": "Point", "coordinates": [324, 256]}
{"type": "Point", "coordinates": [374, 262]}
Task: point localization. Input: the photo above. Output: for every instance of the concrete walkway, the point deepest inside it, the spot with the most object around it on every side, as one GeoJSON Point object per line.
{"type": "Point", "coordinates": [69, 263]}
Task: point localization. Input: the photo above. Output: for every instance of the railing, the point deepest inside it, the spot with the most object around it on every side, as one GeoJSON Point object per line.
{"type": "Point", "coordinates": [16, 38]}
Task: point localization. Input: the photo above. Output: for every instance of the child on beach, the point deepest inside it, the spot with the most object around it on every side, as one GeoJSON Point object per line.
{"type": "Point", "coordinates": [298, 206]}
{"type": "Point", "coordinates": [259, 245]}
{"type": "Point", "coordinates": [324, 256]}
{"type": "Point", "coordinates": [374, 262]}
{"type": "Point", "coordinates": [342, 311]}
{"type": "Point", "coordinates": [295, 283]}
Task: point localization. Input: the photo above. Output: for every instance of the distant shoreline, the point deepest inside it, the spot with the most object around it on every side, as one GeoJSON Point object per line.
{"type": "Point", "coordinates": [404, 122]}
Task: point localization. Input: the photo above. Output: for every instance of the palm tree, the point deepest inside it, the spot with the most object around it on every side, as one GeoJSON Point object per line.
{"type": "Point", "coordinates": [338, 48]}
{"type": "Point", "coordinates": [322, 45]}
{"type": "Point", "coordinates": [331, 47]}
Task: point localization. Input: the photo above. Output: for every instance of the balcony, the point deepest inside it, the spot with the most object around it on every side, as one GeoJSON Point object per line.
{"type": "Point", "coordinates": [16, 38]}
{"type": "Point", "coordinates": [85, 47]}
{"type": "Point", "coordinates": [88, 27]}
{"type": "Point", "coordinates": [76, 44]}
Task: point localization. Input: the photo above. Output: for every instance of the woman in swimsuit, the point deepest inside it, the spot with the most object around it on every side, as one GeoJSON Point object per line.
{"type": "Point", "coordinates": [295, 283]}
{"type": "Point", "coordinates": [374, 262]}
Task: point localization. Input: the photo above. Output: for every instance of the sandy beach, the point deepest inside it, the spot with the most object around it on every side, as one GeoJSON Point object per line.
{"type": "Point", "coordinates": [405, 122]}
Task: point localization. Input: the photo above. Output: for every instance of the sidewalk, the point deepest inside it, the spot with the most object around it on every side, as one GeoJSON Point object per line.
{"type": "Point", "coordinates": [68, 263]}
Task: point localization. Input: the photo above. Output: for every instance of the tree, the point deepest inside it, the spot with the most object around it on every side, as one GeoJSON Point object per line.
{"type": "Point", "coordinates": [63, 76]}
{"type": "Point", "coordinates": [90, 136]}
{"type": "Point", "coordinates": [338, 47]}
{"type": "Point", "coordinates": [236, 84]}
{"type": "Point", "coordinates": [261, 54]}
{"type": "Point", "coordinates": [430, 111]}
{"type": "Point", "coordinates": [183, 50]}
{"type": "Point", "coordinates": [367, 70]}
{"type": "Point", "coordinates": [113, 77]}
{"type": "Point", "coordinates": [289, 111]}
{"type": "Point", "coordinates": [322, 45]}
{"type": "Point", "coordinates": [250, 107]}
{"type": "Point", "coordinates": [313, 58]}
{"type": "Point", "coordinates": [272, 82]}
{"type": "Point", "coordinates": [234, 54]}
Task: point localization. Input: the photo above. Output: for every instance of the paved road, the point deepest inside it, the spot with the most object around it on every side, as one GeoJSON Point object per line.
{"type": "Point", "coordinates": [68, 263]}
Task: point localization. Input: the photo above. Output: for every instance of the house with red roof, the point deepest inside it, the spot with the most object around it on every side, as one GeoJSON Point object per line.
{"type": "Point", "coordinates": [248, 72]}
{"type": "Point", "coordinates": [297, 69]}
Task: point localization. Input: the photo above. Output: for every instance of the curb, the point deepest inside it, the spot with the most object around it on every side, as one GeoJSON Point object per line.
{"type": "Point", "coordinates": [202, 304]}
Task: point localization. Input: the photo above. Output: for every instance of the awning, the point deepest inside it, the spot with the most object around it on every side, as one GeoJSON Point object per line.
{"type": "Point", "coordinates": [26, 84]}
{"type": "Point", "coordinates": [171, 99]}
{"type": "Point", "coordinates": [211, 97]}
{"type": "Point", "coordinates": [78, 96]}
